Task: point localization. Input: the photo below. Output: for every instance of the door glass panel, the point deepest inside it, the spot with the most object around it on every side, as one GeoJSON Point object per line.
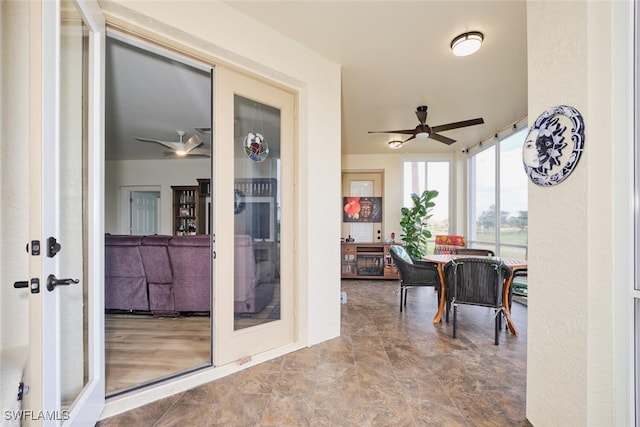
{"type": "Point", "coordinates": [72, 220]}
{"type": "Point", "coordinates": [157, 270]}
{"type": "Point", "coordinates": [256, 213]}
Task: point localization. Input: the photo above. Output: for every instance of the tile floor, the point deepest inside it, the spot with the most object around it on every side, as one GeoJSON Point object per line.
{"type": "Point", "coordinates": [386, 369]}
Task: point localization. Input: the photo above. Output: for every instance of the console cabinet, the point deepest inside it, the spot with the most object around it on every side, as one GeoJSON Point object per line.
{"type": "Point", "coordinates": [367, 261]}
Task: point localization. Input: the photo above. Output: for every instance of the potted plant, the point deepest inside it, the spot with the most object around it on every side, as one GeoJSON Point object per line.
{"type": "Point", "coordinates": [414, 223]}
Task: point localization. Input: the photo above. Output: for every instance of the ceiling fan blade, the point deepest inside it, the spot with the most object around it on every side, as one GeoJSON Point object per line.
{"type": "Point", "coordinates": [204, 130]}
{"type": "Point", "coordinates": [172, 145]}
{"type": "Point", "coordinates": [199, 152]}
{"type": "Point", "coordinates": [441, 138]}
{"type": "Point", "coordinates": [421, 112]}
{"type": "Point", "coordinates": [456, 125]}
{"type": "Point", "coordinates": [402, 131]}
{"type": "Point", "coordinates": [192, 143]}
{"type": "Point", "coordinates": [409, 139]}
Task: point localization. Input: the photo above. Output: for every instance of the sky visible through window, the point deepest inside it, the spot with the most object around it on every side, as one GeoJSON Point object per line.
{"type": "Point", "coordinates": [513, 179]}
{"type": "Point", "coordinates": [429, 175]}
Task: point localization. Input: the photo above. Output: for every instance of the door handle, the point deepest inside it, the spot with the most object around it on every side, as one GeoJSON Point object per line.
{"type": "Point", "coordinates": [52, 282]}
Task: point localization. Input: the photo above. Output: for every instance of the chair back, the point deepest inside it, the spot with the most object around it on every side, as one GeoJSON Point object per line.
{"type": "Point", "coordinates": [474, 252]}
{"type": "Point", "coordinates": [400, 255]}
{"type": "Point", "coordinates": [476, 281]}
{"type": "Point", "coordinates": [414, 272]}
{"type": "Point", "coordinates": [446, 244]}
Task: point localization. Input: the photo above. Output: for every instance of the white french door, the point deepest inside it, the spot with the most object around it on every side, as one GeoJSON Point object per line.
{"type": "Point", "coordinates": [254, 239]}
{"type": "Point", "coordinates": [66, 368]}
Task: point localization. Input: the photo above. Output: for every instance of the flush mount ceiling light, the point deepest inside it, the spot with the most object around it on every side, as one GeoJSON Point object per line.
{"type": "Point", "coordinates": [467, 43]}
{"type": "Point", "coordinates": [395, 144]}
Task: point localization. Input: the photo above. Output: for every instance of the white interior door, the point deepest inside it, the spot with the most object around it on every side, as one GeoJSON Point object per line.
{"type": "Point", "coordinates": [67, 322]}
{"type": "Point", "coordinates": [144, 214]}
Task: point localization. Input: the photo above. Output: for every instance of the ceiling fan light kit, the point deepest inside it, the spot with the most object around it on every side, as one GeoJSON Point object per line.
{"type": "Point", "coordinates": [181, 148]}
{"type": "Point", "coordinates": [467, 43]}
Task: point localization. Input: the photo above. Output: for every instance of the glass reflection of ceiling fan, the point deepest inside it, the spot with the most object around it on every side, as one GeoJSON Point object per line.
{"type": "Point", "coordinates": [192, 147]}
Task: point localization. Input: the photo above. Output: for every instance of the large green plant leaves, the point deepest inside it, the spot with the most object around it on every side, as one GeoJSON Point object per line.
{"type": "Point", "coordinates": [414, 223]}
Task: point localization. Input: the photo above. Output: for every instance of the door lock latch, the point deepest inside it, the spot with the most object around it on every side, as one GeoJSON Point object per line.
{"type": "Point", "coordinates": [53, 247]}
{"type": "Point", "coordinates": [35, 285]}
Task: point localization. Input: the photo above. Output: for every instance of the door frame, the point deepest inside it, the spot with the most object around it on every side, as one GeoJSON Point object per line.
{"type": "Point", "coordinates": [44, 74]}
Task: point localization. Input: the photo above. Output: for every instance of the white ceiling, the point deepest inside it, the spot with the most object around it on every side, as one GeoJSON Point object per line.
{"type": "Point", "coordinates": [395, 56]}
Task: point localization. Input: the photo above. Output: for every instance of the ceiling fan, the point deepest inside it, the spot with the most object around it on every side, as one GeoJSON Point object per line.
{"type": "Point", "coordinates": [181, 148]}
{"type": "Point", "coordinates": [424, 131]}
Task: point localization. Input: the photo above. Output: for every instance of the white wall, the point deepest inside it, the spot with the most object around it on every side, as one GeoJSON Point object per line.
{"type": "Point", "coordinates": [571, 352]}
{"type": "Point", "coordinates": [148, 173]}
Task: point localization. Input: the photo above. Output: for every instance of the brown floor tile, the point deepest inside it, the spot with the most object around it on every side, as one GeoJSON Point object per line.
{"type": "Point", "coordinates": [387, 368]}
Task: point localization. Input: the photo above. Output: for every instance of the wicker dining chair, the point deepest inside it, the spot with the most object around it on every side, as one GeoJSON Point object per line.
{"type": "Point", "coordinates": [473, 252]}
{"type": "Point", "coordinates": [413, 273]}
{"type": "Point", "coordinates": [476, 281]}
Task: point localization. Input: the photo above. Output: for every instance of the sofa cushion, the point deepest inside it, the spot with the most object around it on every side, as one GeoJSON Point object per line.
{"type": "Point", "coordinates": [155, 258]}
{"type": "Point", "coordinates": [191, 263]}
{"type": "Point", "coordinates": [125, 279]}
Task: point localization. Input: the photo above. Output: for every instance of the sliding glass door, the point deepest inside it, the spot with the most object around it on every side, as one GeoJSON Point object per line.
{"type": "Point", "coordinates": [254, 299]}
{"type": "Point", "coordinates": [158, 264]}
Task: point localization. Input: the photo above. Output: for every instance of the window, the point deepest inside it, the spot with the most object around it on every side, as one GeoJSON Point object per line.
{"type": "Point", "coordinates": [429, 175]}
{"type": "Point", "coordinates": [497, 192]}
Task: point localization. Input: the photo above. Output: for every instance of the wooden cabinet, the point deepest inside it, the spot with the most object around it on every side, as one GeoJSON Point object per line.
{"type": "Point", "coordinates": [367, 261]}
{"type": "Point", "coordinates": [185, 210]}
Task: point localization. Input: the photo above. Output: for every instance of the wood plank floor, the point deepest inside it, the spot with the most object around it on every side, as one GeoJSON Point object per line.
{"type": "Point", "coordinates": [141, 348]}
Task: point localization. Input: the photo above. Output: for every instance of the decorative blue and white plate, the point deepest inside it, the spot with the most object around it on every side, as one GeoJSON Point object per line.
{"type": "Point", "coordinates": [553, 146]}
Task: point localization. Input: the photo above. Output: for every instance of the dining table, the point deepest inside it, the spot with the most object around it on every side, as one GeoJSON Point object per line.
{"type": "Point", "coordinates": [512, 263]}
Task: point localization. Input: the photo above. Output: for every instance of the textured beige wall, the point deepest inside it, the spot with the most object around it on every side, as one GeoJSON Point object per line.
{"type": "Point", "coordinates": [14, 200]}
{"type": "Point", "coordinates": [570, 353]}
{"type": "Point", "coordinates": [14, 183]}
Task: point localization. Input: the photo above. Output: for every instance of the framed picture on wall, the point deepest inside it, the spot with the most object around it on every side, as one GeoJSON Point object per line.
{"type": "Point", "coordinates": [362, 209]}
